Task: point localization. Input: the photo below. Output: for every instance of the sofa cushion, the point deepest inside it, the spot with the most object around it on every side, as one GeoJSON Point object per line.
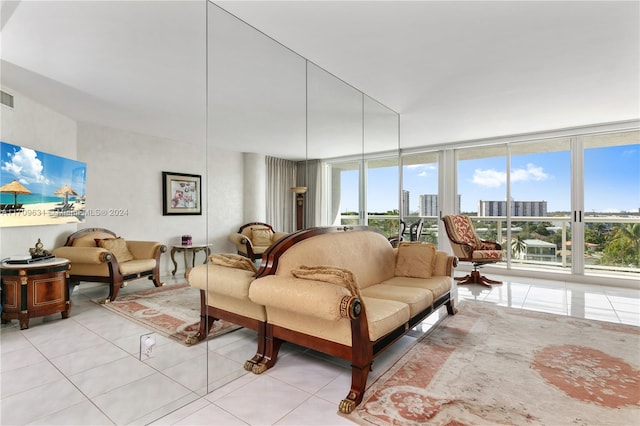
{"type": "Point", "coordinates": [329, 274]}
{"type": "Point", "coordinates": [383, 316]}
{"type": "Point", "coordinates": [221, 280]}
{"type": "Point", "coordinates": [261, 236]}
{"type": "Point", "coordinates": [136, 266]}
{"type": "Point", "coordinates": [437, 285]}
{"type": "Point", "coordinates": [118, 247]}
{"type": "Point", "coordinates": [415, 259]}
{"type": "Point", "coordinates": [231, 260]}
{"type": "Point", "coordinates": [418, 299]}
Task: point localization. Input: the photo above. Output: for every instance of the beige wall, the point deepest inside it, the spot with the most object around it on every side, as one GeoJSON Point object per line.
{"type": "Point", "coordinates": [124, 174]}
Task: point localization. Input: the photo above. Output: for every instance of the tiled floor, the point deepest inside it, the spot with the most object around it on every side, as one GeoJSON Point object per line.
{"type": "Point", "coordinates": [85, 370]}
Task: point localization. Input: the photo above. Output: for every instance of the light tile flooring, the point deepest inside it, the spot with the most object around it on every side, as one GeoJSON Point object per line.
{"type": "Point", "coordinates": [85, 370]}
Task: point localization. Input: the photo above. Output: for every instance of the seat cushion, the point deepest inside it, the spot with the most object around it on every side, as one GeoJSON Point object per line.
{"type": "Point", "coordinates": [437, 285]}
{"type": "Point", "coordinates": [417, 298]}
{"type": "Point", "coordinates": [487, 255]}
{"type": "Point", "coordinates": [136, 266]}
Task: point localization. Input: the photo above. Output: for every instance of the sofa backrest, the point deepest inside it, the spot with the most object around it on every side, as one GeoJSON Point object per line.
{"type": "Point", "coordinates": [368, 254]}
{"type": "Point", "coordinates": [87, 238]}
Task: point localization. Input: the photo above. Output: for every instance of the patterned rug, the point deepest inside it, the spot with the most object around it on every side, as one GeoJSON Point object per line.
{"type": "Point", "coordinates": [173, 311]}
{"type": "Point", "coordinates": [490, 365]}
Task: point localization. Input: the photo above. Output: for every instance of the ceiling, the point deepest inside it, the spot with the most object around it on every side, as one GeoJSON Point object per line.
{"type": "Point", "coordinates": [454, 70]}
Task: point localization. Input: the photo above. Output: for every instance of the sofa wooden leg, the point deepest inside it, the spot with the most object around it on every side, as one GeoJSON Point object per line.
{"type": "Point", "coordinates": [206, 323]}
{"type": "Point", "coordinates": [156, 280]}
{"type": "Point", "coordinates": [250, 363]}
{"type": "Point", "coordinates": [114, 288]}
{"type": "Point", "coordinates": [451, 309]}
{"type": "Point", "coordinates": [272, 347]}
{"type": "Point", "coordinates": [358, 383]}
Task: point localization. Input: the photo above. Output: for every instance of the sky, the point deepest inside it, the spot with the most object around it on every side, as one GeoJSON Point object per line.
{"type": "Point", "coordinates": [39, 172]}
{"type": "Point", "coordinates": [611, 181]}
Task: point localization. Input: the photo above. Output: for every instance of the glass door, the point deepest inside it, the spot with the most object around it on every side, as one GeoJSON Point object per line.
{"type": "Point", "coordinates": [611, 199]}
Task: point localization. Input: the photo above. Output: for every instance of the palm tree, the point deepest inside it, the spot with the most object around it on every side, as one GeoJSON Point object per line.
{"type": "Point", "coordinates": [624, 246]}
{"type": "Point", "coordinates": [517, 246]}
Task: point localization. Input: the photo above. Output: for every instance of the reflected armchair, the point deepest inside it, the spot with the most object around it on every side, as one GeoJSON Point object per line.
{"type": "Point", "coordinates": [253, 239]}
{"type": "Point", "coordinates": [97, 255]}
{"type": "Point", "coordinates": [468, 247]}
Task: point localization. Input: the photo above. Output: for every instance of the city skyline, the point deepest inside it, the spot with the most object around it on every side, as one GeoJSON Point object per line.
{"type": "Point", "coordinates": [534, 177]}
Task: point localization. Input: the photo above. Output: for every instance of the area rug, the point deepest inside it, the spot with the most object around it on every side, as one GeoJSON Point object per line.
{"type": "Point", "coordinates": [173, 311]}
{"type": "Point", "coordinates": [491, 365]}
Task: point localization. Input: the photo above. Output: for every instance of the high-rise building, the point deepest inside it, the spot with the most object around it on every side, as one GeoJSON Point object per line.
{"type": "Point", "coordinates": [405, 203]}
{"type": "Point", "coordinates": [518, 208]}
{"type": "Point", "coordinates": [429, 205]}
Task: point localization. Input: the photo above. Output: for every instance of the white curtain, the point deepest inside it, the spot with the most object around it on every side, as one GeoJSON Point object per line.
{"type": "Point", "coordinates": [281, 177]}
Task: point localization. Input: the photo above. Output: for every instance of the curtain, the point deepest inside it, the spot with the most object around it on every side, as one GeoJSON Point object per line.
{"type": "Point", "coordinates": [281, 176]}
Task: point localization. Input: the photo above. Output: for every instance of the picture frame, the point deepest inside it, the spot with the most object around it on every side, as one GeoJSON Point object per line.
{"type": "Point", "coordinates": [181, 194]}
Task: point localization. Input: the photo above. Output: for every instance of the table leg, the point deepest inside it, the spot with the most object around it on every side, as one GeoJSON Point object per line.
{"type": "Point", "coordinates": [175, 264]}
{"type": "Point", "coordinates": [186, 265]}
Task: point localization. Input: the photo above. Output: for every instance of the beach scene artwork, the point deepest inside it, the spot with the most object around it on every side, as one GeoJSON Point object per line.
{"type": "Point", "coordinates": [37, 188]}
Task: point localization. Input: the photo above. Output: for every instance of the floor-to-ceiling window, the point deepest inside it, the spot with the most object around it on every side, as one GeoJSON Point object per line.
{"type": "Point", "coordinates": [611, 164]}
{"type": "Point", "coordinates": [420, 199]}
{"type": "Point", "coordinates": [382, 179]}
{"type": "Point", "coordinates": [482, 187]}
{"type": "Point", "coordinates": [539, 203]}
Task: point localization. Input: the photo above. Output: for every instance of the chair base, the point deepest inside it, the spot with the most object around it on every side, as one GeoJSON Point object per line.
{"type": "Point", "coordinates": [475, 278]}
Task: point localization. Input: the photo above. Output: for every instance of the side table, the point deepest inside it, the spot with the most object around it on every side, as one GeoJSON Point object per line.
{"type": "Point", "coordinates": [35, 290]}
{"type": "Point", "coordinates": [194, 249]}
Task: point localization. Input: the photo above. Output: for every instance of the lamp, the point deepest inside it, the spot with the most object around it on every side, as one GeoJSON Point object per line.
{"type": "Point", "coordinates": [299, 191]}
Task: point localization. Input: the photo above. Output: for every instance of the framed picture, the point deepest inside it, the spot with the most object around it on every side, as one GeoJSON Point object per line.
{"type": "Point", "coordinates": [181, 194]}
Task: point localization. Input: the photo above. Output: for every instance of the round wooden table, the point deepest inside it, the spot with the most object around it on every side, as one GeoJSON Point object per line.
{"type": "Point", "coordinates": [34, 290]}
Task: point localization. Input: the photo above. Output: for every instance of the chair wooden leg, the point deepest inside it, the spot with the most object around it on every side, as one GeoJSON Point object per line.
{"type": "Point", "coordinates": [475, 278]}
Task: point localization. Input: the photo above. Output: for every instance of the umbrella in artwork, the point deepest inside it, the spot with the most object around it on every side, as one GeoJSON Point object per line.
{"type": "Point", "coordinates": [65, 191]}
{"type": "Point", "coordinates": [14, 188]}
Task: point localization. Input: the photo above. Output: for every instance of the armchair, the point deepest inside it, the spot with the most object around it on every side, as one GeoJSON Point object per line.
{"type": "Point", "coordinates": [253, 239]}
{"type": "Point", "coordinates": [468, 247]}
{"type": "Point", "coordinates": [97, 255]}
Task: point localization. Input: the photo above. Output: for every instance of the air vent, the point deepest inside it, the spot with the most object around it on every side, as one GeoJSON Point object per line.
{"type": "Point", "coordinates": [6, 99]}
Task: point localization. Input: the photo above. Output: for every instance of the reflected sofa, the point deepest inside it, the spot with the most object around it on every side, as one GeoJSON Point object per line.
{"type": "Point", "coordinates": [343, 291]}
{"type": "Point", "coordinates": [98, 255]}
{"type": "Point", "coordinates": [253, 239]}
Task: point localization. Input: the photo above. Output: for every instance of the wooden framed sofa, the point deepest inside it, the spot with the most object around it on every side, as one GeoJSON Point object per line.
{"type": "Point", "coordinates": [254, 238]}
{"type": "Point", "coordinates": [343, 291]}
{"type": "Point", "coordinates": [98, 255]}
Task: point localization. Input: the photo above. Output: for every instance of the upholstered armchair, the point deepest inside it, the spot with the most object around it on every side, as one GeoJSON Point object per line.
{"type": "Point", "coordinates": [97, 255]}
{"type": "Point", "coordinates": [468, 247]}
{"type": "Point", "coordinates": [253, 239]}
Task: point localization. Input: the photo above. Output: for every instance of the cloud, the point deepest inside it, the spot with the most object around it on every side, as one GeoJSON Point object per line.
{"type": "Point", "coordinates": [25, 166]}
{"type": "Point", "coordinates": [532, 172]}
{"type": "Point", "coordinates": [492, 178]}
{"type": "Point", "coordinates": [422, 169]}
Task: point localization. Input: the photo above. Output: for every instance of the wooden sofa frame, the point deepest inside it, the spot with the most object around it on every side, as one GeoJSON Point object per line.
{"type": "Point", "coordinates": [362, 351]}
{"type": "Point", "coordinates": [115, 279]}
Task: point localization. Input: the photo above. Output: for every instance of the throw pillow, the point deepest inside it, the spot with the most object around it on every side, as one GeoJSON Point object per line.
{"type": "Point", "coordinates": [117, 247]}
{"type": "Point", "coordinates": [261, 236]}
{"type": "Point", "coordinates": [328, 274]}
{"type": "Point", "coordinates": [415, 259]}
{"type": "Point", "coordinates": [233, 261]}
